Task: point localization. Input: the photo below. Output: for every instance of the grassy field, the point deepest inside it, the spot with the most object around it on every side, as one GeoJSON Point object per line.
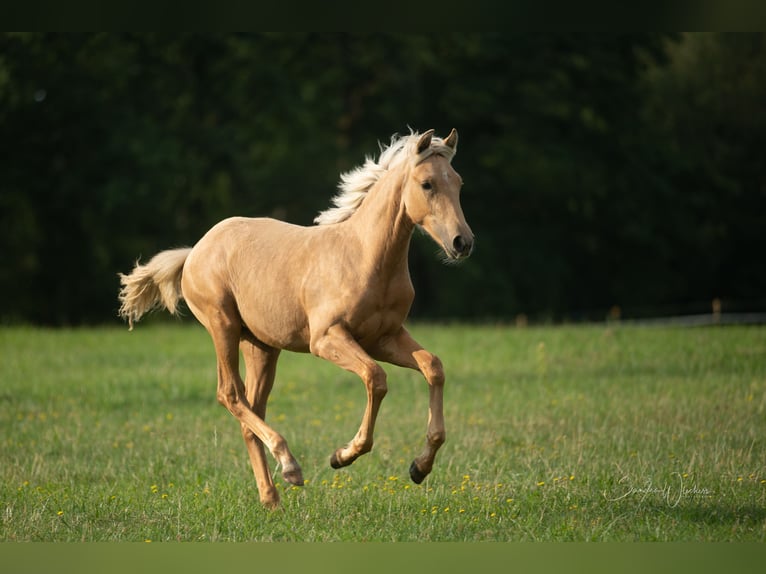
{"type": "Point", "coordinates": [602, 433]}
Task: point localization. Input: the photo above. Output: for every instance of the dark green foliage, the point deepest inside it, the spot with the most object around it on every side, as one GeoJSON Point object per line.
{"type": "Point", "coordinates": [600, 170]}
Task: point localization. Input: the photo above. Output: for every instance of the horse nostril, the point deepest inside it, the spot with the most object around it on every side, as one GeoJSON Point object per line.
{"type": "Point", "coordinates": [462, 246]}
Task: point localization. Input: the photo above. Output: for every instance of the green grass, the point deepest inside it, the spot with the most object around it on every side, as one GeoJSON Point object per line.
{"type": "Point", "coordinates": [553, 434]}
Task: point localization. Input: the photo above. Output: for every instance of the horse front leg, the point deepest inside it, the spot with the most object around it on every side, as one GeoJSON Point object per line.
{"type": "Point", "coordinates": [339, 347]}
{"type": "Point", "coordinates": [402, 350]}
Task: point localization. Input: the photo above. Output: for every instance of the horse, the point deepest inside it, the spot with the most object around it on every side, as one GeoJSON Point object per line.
{"type": "Point", "coordinates": [339, 289]}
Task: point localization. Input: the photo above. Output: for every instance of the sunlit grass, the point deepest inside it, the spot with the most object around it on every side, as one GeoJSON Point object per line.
{"type": "Point", "coordinates": [569, 433]}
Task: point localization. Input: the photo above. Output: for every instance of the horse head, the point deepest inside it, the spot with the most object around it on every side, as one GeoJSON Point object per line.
{"type": "Point", "coordinates": [431, 193]}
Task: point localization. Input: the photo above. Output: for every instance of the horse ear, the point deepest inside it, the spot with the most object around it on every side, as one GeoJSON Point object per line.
{"type": "Point", "coordinates": [425, 141]}
{"type": "Point", "coordinates": [451, 139]}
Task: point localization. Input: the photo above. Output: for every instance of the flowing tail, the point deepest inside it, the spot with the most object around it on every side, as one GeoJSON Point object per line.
{"type": "Point", "coordinates": [154, 285]}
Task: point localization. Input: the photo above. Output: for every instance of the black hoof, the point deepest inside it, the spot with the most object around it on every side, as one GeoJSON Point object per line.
{"type": "Point", "coordinates": [415, 473]}
{"type": "Point", "coordinates": [334, 462]}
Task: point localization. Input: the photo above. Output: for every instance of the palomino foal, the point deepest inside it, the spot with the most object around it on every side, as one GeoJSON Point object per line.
{"type": "Point", "coordinates": [340, 290]}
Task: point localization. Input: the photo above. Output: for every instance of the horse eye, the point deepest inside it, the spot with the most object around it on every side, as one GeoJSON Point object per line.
{"type": "Point", "coordinates": [427, 185]}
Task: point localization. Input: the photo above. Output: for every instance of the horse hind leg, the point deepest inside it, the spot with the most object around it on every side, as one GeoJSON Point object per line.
{"type": "Point", "coordinates": [260, 371]}
{"type": "Point", "coordinates": [231, 394]}
{"type": "Point", "coordinates": [225, 327]}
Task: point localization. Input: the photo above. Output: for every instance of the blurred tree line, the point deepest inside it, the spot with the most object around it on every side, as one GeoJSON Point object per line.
{"type": "Point", "coordinates": [600, 170]}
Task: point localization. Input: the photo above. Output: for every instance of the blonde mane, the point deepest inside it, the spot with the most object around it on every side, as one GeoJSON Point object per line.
{"type": "Point", "coordinates": [355, 184]}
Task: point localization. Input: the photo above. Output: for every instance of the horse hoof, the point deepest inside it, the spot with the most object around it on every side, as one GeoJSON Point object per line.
{"type": "Point", "coordinates": [335, 462]}
{"type": "Point", "coordinates": [272, 504]}
{"type": "Point", "coordinates": [270, 498]}
{"type": "Point", "coordinates": [416, 474]}
{"type": "Point", "coordinates": [293, 475]}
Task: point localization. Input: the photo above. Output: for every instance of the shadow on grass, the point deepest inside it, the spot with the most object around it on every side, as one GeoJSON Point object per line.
{"type": "Point", "coordinates": [719, 515]}
{"type": "Point", "coordinates": [713, 521]}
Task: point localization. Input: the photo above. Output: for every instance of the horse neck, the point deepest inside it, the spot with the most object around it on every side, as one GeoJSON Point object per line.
{"type": "Point", "coordinates": [383, 226]}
